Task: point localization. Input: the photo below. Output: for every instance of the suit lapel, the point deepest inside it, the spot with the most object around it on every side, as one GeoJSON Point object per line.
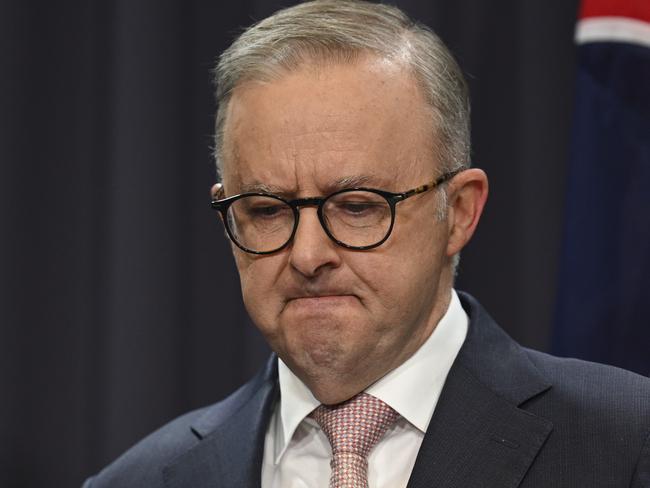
{"type": "Point", "coordinates": [478, 435]}
{"type": "Point", "coordinates": [475, 438]}
{"type": "Point", "coordinates": [230, 451]}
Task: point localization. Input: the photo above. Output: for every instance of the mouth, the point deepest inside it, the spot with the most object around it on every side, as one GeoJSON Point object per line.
{"type": "Point", "coordinates": [321, 297]}
{"type": "Point", "coordinates": [321, 301]}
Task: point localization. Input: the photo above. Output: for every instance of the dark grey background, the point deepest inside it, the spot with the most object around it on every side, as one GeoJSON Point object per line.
{"type": "Point", "coordinates": [119, 302]}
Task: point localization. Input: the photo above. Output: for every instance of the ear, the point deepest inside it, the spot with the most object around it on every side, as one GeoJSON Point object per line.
{"type": "Point", "coordinates": [466, 196]}
{"type": "Point", "coordinates": [216, 191]}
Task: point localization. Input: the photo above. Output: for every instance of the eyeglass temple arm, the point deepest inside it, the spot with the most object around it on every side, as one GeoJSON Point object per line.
{"type": "Point", "coordinates": [401, 196]}
{"type": "Point", "coordinates": [421, 189]}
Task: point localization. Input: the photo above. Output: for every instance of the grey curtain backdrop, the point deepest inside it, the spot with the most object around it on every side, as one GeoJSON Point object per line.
{"type": "Point", "coordinates": [119, 301]}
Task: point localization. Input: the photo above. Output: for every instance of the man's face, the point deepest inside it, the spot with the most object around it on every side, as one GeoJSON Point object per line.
{"type": "Point", "coordinates": [340, 318]}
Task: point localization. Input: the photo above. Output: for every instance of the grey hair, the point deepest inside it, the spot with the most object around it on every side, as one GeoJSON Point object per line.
{"type": "Point", "coordinates": [341, 31]}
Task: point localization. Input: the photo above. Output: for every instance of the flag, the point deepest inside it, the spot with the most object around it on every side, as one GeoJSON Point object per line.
{"type": "Point", "coordinates": [603, 303]}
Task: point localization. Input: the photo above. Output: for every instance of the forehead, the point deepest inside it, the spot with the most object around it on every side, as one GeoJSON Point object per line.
{"type": "Point", "coordinates": [324, 123]}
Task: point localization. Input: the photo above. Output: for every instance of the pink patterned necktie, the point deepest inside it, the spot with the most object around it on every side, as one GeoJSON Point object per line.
{"type": "Point", "coordinates": [353, 428]}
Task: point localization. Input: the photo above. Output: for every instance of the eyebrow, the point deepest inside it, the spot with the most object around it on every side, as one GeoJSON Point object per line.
{"type": "Point", "coordinates": [261, 188]}
{"type": "Point", "coordinates": [344, 183]}
{"type": "Point", "coordinates": [354, 181]}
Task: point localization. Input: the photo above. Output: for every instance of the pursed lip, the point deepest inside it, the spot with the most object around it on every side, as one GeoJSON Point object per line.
{"type": "Point", "coordinates": [319, 293]}
{"type": "Point", "coordinates": [320, 298]}
{"type": "Point", "coordinates": [327, 296]}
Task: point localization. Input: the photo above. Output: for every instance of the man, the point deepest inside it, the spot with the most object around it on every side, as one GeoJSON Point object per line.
{"type": "Point", "coordinates": [343, 148]}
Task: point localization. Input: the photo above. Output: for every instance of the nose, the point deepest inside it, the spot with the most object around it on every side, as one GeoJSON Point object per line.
{"type": "Point", "coordinates": [312, 251]}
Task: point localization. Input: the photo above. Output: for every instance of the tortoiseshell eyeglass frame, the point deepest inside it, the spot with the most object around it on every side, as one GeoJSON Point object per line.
{"type": "Point", "coordinates": [222, 205]}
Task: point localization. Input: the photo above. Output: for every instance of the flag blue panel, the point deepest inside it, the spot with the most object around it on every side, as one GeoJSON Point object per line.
{"type": "Point", "coordinates": [603, 307]}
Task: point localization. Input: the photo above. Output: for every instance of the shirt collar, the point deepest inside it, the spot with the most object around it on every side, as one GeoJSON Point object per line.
{"type": "Point", "coordinates": [296, 402]}
{"type": "Point", "coordinates": [412, 389]}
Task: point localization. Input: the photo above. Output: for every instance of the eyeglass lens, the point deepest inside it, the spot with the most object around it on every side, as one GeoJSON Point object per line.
{"type": "Point", "coordinates": [354, 218]}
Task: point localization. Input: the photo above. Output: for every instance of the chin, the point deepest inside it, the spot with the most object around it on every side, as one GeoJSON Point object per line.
{"type": "Point", "coordinates": [316, 356]}
{"type": "Point", "coordinates": [335, 384]}
{"type": "Point", "coordinates": [317, 328]}
{"type": "Point", "coordinates": [334, 395]}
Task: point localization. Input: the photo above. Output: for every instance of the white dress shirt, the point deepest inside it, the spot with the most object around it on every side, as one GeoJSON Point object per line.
{"type": "Point", "coordinates": [296, 451]}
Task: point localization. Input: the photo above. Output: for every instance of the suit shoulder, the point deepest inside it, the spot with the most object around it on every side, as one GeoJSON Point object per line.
{"type": "Point", "coordinates": [596, 389]}
{"type": "Point", "coordinates": [141, 465]}
{"type": "Point", "coordinates": [601, 420]}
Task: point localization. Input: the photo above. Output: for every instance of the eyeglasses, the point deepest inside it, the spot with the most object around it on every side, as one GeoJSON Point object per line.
{"type": "Point", "coordinates": [355, 218]}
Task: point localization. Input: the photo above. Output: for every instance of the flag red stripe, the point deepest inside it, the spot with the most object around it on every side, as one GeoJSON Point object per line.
{"type": "Point", "coordinates": [634, 9]}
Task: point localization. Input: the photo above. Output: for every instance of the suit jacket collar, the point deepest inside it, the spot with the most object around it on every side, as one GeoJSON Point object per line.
{"type": "Point", "coordinates": [478, 435]}
{"type": "Point", "coordinates": [231, 438]}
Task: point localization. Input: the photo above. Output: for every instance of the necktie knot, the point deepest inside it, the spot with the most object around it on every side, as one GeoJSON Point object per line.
{"type": "Point", "coordinates": [353, 428]}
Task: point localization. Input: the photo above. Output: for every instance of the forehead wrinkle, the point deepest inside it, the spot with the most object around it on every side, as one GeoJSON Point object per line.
{"type": "Point", "coordinates": [342, 137]}
{"type": "Point", "coordinates": [258, 187]}
{"type": "Point", "coordinates": [355, 181]}
{"type": "Point", "coordinates": [346, 182]}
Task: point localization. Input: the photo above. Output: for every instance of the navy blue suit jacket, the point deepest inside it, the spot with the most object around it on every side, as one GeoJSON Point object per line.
{"type": "Point", "coordinates": [507, 417]}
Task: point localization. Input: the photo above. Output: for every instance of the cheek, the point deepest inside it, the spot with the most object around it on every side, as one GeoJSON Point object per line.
{"type": "Point", "coordinates": [404, 277]}
{"type": "Point", "coordinates": [258, 277]}
{"type": "Point", "coordinates": [386, 284]}
{"type": "Point", "coordinates": [404, 285]}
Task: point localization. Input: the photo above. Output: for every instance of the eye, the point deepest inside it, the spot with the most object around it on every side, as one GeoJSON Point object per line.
{"type": "Point", "coordinates": [267, 211]}
{"type": "Point", "coordinates": [359, 208]}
